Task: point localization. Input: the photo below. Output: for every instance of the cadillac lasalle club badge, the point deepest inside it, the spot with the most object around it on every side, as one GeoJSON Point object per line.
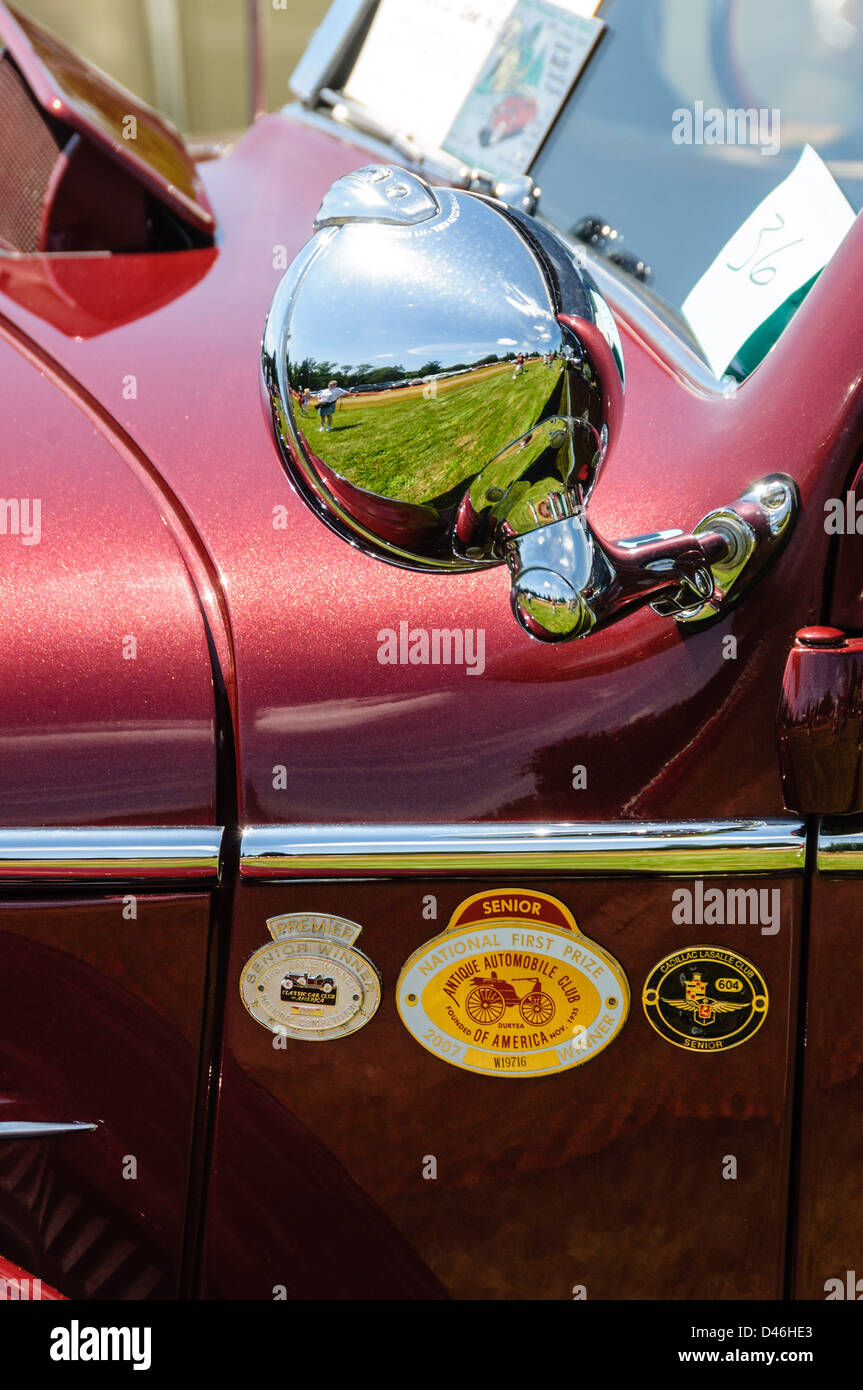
{"type": "Point", "coordinates": [311, 982]}
{"type": "Point", "coordinates": [513, 988]}
{"type": "Point", "coordinates": [705, 999]}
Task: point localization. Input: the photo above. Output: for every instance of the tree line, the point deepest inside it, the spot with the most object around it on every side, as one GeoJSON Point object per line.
{"type": "Point", "coordinates": [315, 374]}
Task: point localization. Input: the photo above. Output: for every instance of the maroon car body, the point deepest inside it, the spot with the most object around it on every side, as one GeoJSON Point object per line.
{"type": "Point", "coordinates": [131, 407]}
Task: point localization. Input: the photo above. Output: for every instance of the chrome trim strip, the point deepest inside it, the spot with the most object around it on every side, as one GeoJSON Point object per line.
{"type": "Point", "coordinates": [624, 847]}
{"type": "Point", "coordinates": [113, 853]}
{"type": "Point", "coordinates": [42, 1129]}
{"type": "Point", "coordinates": [840, 845]}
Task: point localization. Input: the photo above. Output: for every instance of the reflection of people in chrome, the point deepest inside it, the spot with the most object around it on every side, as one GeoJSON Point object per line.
{"type": "Point", "coordinates": [326, 403]}
{"type": "Point", "coordinates": [519, 366]}
{"type": "Point", "coordinates": [305, 397]}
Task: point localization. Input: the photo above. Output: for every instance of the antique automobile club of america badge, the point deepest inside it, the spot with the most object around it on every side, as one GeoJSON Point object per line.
{"type": "Point", "coordinates": [513, 988]}
{"type": "Point", "coordinates": [705, 999]}
{"type": "Point", "coordinates": [311, 982]}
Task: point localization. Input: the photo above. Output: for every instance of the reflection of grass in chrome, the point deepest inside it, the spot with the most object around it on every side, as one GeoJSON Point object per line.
{"type": "Point", "coordinates": [400, 444]}
{"type": "Point", "coordinates": [560, 619]}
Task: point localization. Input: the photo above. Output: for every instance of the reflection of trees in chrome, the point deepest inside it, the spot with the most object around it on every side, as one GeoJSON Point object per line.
{"type": "Point", "coordinates": [315, 373]}
{"type": "Point", "coordinates": [416, 446]}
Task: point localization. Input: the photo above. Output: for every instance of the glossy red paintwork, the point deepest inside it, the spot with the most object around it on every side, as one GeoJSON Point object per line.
{"type": "Point", "coordinates": [846, 606]}
{"type": "Point", "coordinates": [820, 723]}
{"type": "Point", "coordinates": [59, 290]}
{"type": "Point", "coordinates": [17, 1283]}
{"type": "Point", "coordinates": [643, 702]}
{"type": "Point", "coordinates": [89, 736]}
{"type": "Point", "coordinates": [101, 1021]}
{"type": "Point", "coordinates": [609, 373]}
{"type": "Point", "coordinates": [610, 1176]}
{"type": "Point", "coordinates": [830, 1236]}
{"type": "Point", "coordinates": [667, 725]}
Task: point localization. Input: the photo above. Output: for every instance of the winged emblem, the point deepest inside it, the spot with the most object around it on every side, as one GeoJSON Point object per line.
{"type": "Point", "coordinates": [694, 1006]}
{"type": "Point", "coordinates": [699, 1005]}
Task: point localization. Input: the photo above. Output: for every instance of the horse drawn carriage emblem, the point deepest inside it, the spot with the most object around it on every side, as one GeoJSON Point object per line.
{"type": "Point", "coordinates": [512, 988]}
{"type": "Point", "coordinates": [489, 997]}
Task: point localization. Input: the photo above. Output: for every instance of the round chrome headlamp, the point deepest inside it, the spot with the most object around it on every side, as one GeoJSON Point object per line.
{"type": "Point", "coordinates": [481, 372]}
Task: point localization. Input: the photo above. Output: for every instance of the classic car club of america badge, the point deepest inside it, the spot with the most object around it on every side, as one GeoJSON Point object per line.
{"type": "Point", "coordinates": [705, 999]}
{"type": "Point", "coordinates": [513, 988]}
{"type": "Point", "coordinates": [311, 982]}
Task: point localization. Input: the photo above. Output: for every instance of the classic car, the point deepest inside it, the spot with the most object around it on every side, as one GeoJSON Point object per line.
{"type": "Point", "coordinates": [509, 117]}
{"type": "Point", "coordinates": [579, 860]}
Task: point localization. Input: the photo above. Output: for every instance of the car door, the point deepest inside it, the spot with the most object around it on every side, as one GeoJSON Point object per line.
{"type": "Point", "coordinates": [821, 763]}
{"type": "Point", "coordinates": [109, 849]}
{"type": "Point", "coordinates": [609, 774]}
{"type": "Point", "coordinates": [633, 778]}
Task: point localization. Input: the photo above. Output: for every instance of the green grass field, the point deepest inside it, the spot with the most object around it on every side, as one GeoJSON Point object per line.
{"type": "Point", "coordinates": [400, 444]}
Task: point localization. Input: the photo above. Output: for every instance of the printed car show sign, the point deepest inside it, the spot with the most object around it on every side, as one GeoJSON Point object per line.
{"type": "Point", "coordinates": [522, 87]}
{"type": "Point", "coordinates": [496, 73]}
{"type": "Point", "coordinates": [705, 999]}
{"type": "Point", "coordinates": [513, 988]}
{"type": "Point", "coordinates": [311, 982]}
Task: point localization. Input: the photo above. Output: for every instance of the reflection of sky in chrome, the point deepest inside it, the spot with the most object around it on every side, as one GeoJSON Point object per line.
{"type": "Point", "coordinates": [454, 291]}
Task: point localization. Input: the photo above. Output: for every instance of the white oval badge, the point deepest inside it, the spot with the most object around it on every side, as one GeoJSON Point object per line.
{"type": "Point", "coordinates": [311, 982]}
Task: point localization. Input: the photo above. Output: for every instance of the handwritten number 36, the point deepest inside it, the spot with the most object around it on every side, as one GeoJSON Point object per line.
{"type": "Point", "coordinates": [763, 271]}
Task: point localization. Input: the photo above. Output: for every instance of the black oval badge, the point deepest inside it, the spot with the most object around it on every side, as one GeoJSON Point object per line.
{"type": "Point", "coordinates": [705, 999]}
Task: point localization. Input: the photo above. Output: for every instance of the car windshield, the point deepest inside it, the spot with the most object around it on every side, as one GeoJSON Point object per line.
{"type": "Point", "coordinates": [612, 154]}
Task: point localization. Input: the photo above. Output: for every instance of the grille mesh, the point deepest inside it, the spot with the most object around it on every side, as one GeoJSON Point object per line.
{"type": "Point", "coordinates": [29, 153]}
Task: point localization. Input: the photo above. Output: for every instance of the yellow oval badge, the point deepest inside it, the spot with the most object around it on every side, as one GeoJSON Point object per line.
{"type": "Point", "coordinates": [513, 988]}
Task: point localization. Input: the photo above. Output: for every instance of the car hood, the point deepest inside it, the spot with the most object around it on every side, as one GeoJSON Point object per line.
{"type": "Point", "coordinates": [324, 731]}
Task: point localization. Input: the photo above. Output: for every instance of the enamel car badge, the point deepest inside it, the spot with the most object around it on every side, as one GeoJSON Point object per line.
{"type": "Point", "coordinates": [705, 999]}
{"type": "Point", "coordinates": [513, 988]}
{"type": "Point", "coordinates": [311, 982]}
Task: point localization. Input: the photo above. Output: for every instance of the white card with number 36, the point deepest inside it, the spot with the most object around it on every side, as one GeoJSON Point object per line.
{"type": "Point", "coordinates": [789, 237]}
